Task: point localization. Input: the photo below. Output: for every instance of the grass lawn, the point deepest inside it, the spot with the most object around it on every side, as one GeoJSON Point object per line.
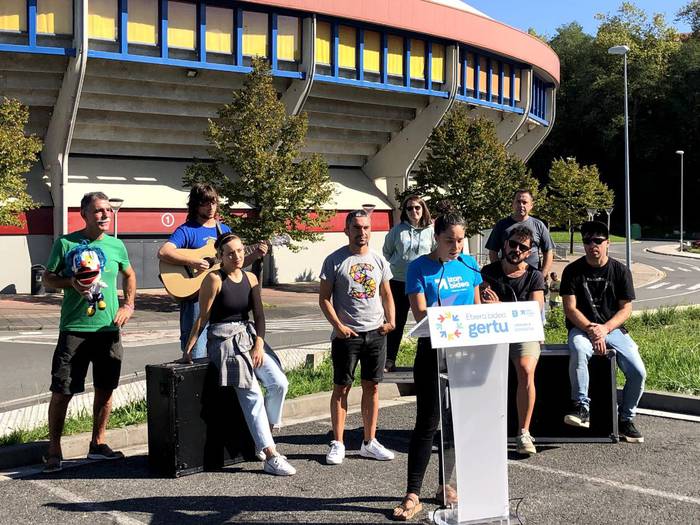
{"type": "Point", "coordinates": [562, 238]}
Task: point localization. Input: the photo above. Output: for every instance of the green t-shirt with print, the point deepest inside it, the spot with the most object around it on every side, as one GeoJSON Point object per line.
{"type": "Point", "coordinates": [74, 315]}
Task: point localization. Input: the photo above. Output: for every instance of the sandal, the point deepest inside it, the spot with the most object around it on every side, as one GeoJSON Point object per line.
{"type": "Point", "coordinates": [450, 492]}
{"type": "Point", "coordinates": [53, 464]}
{"type": "Point", "coordinates": [406, 511]}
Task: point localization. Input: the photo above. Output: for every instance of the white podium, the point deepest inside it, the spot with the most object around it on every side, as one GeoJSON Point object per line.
{"type": "Point", "coordinates": [471, 345]}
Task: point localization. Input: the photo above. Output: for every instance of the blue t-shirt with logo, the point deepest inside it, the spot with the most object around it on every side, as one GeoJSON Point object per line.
{"type": "Point", "coordinates": [456, 283]}
{"type": "Point", "coordinates": [193, 235]}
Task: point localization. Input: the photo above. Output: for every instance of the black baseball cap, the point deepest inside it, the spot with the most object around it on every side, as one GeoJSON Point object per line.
{"type": "Point", "coordinates": [594, 229]}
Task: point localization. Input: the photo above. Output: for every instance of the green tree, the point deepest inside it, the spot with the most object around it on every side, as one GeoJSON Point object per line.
{"type": "Point", "coordinates": [691, 14]}
{"type": "Point", "coordinates": [467, 165]}
{"type": "Point", "coordinates": [257, 161]}
{"type": "Point", "coordinates": [572, 189]}
{"type": "Point", "coordinates": [18, 152]}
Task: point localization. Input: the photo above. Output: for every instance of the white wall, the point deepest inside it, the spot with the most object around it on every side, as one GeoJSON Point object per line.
{"type": "Point", "coordinates": [20, 252]}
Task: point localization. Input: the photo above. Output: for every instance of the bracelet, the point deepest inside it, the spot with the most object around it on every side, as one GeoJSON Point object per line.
{"type": "Point", "coordinates": [130, 307]}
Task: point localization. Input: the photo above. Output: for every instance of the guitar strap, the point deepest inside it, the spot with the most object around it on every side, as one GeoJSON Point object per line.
{"type": "Point", "coordinates": [218, 229]}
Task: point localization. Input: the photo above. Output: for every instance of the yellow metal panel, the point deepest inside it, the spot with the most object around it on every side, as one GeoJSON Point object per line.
{"type": "Point", "coordinates": [506, 80]}
{"type": "Point", "coordinates": [371, 57]}
{"type": "Point", "coordinates": [323, 43]}
{"type": "Point", "coordinates": [102, 19]}
{"type": "Point", "coordinates": [347, 46]}
{"type": "Point", "coordinates": [483, 74]}
{"type": "Point", "coordinates": [143, 22]}
{"type": "Point", "coordinates": [417, 59]}
{"type": "Point", "coordinates": [437, 66]}
{"type": "Point", "coordinates": [470, 71]}
{"type": "Point", "coordinates": [517, 85]}
{"type": "Point", "coordinates": [395, 55]}
{"type": "Point", "coordinates": [288, 38]}
{"type": "Point", "coordinates": [254, 34]}
{"type": "Point", "coordinates": [495, 78]}
{"type": "Point", "coordinates": [54, 17]}
{"type": "Point", "coordinates": [219, 30]}
{"type": "Point", "coordinates": [13, 15]}
{"type": "Point", "coordinates": [182, 25]}
{"type": "Point", "coordinates": [459, 73]}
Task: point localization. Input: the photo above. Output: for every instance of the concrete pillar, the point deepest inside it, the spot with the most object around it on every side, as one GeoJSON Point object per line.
{"type": "Point", "coordinates": [298, 91]}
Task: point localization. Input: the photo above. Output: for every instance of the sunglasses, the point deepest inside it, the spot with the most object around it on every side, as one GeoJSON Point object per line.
{"type": "Point", "coordinates": [596, 240]}
{"type": "Point", "coordinates": [417, 207]}
{"type": "Point", "coordinates": [515, 244]}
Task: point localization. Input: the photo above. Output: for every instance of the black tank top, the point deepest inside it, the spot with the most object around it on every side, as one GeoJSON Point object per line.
{"type": "Point", "coordinates": [233, 301]}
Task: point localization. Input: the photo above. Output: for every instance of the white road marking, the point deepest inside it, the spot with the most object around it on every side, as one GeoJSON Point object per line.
{"type": "Point", "coordinates": [694, 287]}
{"type": "Point", "coordinates": [667, 268]}
{"type": "Point", "coordinates": [682, 269]}
{"type": "Point", "coordinates": [663, 297]}
{"type": "Point", "coordinates": [88, 506]}
{"type": "Point", "coordinates": [658, 285]}
{"type": "Point", "coordinates": [610, 483]}
{"type": "Point", "coordinates": [675, 286]}
{"type": "Point", "coordinates": [697, 268]}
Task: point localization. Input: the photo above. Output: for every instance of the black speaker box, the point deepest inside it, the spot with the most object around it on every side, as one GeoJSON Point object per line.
{"type": "Point", "coordinates": [554, 399]}
{"type": "Point", "coordinates": [193, 423]}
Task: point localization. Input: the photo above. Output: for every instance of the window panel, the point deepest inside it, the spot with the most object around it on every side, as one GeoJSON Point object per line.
{"type": "Point", "coordinates": [102, 19]}
{"type": "Point", "coordinates": [254, 34]}
{"type": "Point", "coordinates": [288, 38]}
{"type": "Point", "coordinates": [470, 71]}
{"type": "Point", "coordinates": [483, 74]}
{"type": "Point", "coordinates": [219, 30]}
{"type": "Point", "coordinates": [54, 17]}
{"type": "Point", "coordinates": [417, 59]}
{"type": "Point", "coordinates": [13, 15]}
{"type": "Point", "coordinates": [347, 42]}
{"type": "Point", "coordinates": [517, 85]}
{"type": "Point", "coordinates": [323, 43]}
{"type": "Point", "coordinates": [437, 67]}
{"type": "Point", "coordinates": [395, 55]}
{"type": "Point", "coordinates": [372, 52]}
{"type": "Point", "coordinates": [495, 78]}
{"type": "Point", "coordinates": [506, 80]}
{"type": "Point", "coordinates": [182, 25]}
{"type": "Point", "coordinates": [143, 22]}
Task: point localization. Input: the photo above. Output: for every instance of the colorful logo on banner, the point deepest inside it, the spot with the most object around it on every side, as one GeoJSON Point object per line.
{"type": "Point", "coordinates": [449, 326]}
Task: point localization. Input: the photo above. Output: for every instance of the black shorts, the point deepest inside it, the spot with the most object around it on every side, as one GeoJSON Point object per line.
{"type": "Point", "coordinates": [76, 350]}
{"type": "Point", "coordinates": [369, 348]}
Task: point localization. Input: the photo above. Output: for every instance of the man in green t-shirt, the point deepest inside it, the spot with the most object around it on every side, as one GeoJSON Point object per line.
{"type": "Point", "coordinates": [88, 334]}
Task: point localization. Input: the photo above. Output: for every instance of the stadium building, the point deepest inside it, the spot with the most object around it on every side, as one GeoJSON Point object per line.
{"type": "Point", "coordinates": [120, 92]}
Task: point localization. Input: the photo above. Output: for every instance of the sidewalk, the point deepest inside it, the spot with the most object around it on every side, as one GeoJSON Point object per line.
{"type": "Point", "coordinates": [672, 249]}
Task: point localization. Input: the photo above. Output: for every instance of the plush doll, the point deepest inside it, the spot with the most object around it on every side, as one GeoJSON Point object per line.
{"type": "Point", "coordinates": [85, 263]}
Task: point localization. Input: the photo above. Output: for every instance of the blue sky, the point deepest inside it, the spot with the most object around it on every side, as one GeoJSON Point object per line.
{"type": "Point", "coordinates": [546, 15]}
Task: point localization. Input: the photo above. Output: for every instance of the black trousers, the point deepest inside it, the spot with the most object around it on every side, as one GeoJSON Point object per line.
{"type": "Point", "coordinates": [425, 377]}
{"type": "Point", "coordinates": [401, 305]}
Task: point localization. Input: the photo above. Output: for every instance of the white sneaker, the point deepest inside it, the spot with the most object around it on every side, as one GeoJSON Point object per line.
{"type": "Point", "coordinates": [525, 443]}
{"type": "Point", "coordinates": [336, 454]}
{"type": "Point", "coordinates": [261, 455]}
{"type": "Point", "coordinates": [375, 450]}
{"type": "Point", "coordinates": [279, 466]}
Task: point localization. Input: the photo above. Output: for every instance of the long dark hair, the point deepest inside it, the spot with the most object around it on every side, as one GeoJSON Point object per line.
{"type": "Point", "coordinates": [200, 194]}
{"type": "Point", "coordinates": [425, 219]}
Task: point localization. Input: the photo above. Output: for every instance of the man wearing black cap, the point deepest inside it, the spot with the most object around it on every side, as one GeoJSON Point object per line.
{"type": "Point", "coordinates": [597, 293]}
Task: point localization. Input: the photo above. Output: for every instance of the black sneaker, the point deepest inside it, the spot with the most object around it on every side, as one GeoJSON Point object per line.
{"type": "Point", "coordinates": [578, 417]}
{"type": "Point", "coordinates": [103, 452]}
{"type": "Point", "coordinates": [389, 366]}
{"type": "Point", "coordinates": [628, 432]}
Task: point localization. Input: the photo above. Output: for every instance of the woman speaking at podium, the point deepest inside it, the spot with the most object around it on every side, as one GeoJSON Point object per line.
{"type": "Point", "coordinates": [441, 278]}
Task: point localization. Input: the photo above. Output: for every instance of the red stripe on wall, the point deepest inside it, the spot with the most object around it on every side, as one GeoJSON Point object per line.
{"type": "Point", "coordinates": [34, 222]}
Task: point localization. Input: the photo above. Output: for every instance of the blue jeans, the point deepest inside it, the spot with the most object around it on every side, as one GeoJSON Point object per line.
{"type": "Point", "coordinates": [189, 312]}
{"type": "Point", "coordinates": [628, 359]}
{"type": "Point", "coordinates": [253, 407]}
{"type": "Point", "coordinates": [272, 377]}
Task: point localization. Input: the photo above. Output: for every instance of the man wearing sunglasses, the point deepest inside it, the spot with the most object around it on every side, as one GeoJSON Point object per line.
{"type": "Point", "coordinates": [597, 293]}
{"type": "Point", "coordinates": [509, 280]}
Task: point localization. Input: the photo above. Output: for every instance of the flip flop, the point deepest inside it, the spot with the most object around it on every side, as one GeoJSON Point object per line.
{"type": "Point", "coordinates": [403, 512]}
{"type": "Point", "coordinates": [53, 464]}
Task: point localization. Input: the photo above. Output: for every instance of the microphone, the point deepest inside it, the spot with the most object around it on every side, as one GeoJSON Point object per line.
{"type": "Point", "coordinates": [442, 273]}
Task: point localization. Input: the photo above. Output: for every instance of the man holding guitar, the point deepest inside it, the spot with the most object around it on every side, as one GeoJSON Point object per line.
{"type": "Point", "coordinates": [187, 247]}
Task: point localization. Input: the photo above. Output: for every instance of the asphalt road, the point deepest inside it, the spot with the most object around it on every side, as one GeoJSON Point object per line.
{"type": "Point", "coordinates": [650, 483]}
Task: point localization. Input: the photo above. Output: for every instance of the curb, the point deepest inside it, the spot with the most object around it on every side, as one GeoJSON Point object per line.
{"type": "Point", "coordinates": [76, 446]}
{"type": "Point", "coordinates": [658, 252]}
{"type": "Point", "coordinates": [665, 402]}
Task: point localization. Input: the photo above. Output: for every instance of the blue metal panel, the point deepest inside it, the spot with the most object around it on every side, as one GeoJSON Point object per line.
{"type": "Point", "coordinates": [380, 86]}
{"type": "Point", "coordinates": [163, 29]}
{"type": "Point", "coordinates": [501, 83]}
{"type": "Point", "coordinates": [539, 120]}
{"type": "Point", "coordinates": [384, 66]}
{"type": "Point", "coordinates": [122, 26]}
{"type": "Point", "coordinates": [464, 73]}
{"type": "Point", "coordinates": [273, 41]}
{"type": "Point", "coordinates": [37, 50]}
{"type": "Point", "coordinates": [360, 54]}
{"type": "Point", "coordinates": [239, 36]}
{"type": "Point", "coordinates": [335, 42]}
{"type": "Point", "coordinates": [429, 65]}
{"type": "Point", "coordinates": [489, 80]}
{"type": "Point", "coordinates": [477, 74]}
{"type": "Point", "coordinates": [512, 85]}
{"type": "Point", "coordinates": [407, 61]}
{"type": "Point", "coordinates": [202, 31]}
{"type": "Point", "coordinates": [493, 105]}
{"type": "Point", "coordinates": [31, 22]}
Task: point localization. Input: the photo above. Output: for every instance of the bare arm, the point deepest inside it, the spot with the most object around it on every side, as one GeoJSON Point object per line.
{"type": "Point", "coordinates": [547, 260]}
{"type": "Point", "coordinates": [169, 253]}
{"type": "Point", "coordinates": [581, 322]}
{"type": "Point", "coordinates": [129, 287]}
{"type": "Point", "coordinates": [259, 252]}
{"type": "Point", "coordinates": [324, 301]}
{"type": "Point", "coordinates": [207, 293]}
{"type": "Point", "coordinates": [538, 295]}
{"type": "Point", "coordinates": [419, 307]}
{"type": "Point", "coordinates": [258, 352]}
{"type": "Point", "coordinates": [54, 280]}
{"type": "Point", "coordinates": [389, 309]}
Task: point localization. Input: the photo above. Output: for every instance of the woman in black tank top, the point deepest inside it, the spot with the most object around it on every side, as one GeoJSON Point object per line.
{"type": "Point", "coordinates": [225, 299]}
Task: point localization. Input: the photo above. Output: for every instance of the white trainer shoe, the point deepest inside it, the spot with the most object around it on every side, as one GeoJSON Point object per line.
{"type": "Point", "coordinates": [261, 455]}
{"type": "Point", "coordinates": [375, 450]}
{"type": "Point", "coordinates": [336, 454]}
{"type": "Point", "coordinates": [525, 443]}
{"type": "Point", "coordinates": [279, 466]}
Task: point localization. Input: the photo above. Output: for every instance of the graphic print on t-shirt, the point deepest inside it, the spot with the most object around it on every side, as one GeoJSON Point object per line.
{"type": "Point", "coordinates": [361, 273]}
{"type": "Point", "coordinates": [595, 288]}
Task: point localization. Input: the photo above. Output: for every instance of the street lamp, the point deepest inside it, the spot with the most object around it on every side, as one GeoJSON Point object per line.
{"type": "Point", "coordinates": [680, 152]}
{"type": "Point", "coordinates": [591, 213]}
{"type": "Point", "coordinates": [609, 212]}
{"type": "Point", "coordinates": [116, 204]}
{"type": "Point", "coordinates": [623, 50]}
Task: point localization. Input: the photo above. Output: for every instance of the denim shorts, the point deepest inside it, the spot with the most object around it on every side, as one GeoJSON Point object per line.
{"type": "Point", "coordinates": [369, 348]}
{"type": "Point", "coordinates": [73, 354]}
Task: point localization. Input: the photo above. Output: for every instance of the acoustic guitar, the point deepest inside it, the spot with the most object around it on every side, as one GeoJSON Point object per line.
{"type": "Point", "coordinates": [183, 282]}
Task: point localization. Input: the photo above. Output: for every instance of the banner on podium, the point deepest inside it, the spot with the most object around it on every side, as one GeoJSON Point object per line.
{"type": "Point", "coordinates": [485, 324]}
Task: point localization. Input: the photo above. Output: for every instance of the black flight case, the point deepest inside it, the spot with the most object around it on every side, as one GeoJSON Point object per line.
{"type": "Point", "coordinates": [193, 423]}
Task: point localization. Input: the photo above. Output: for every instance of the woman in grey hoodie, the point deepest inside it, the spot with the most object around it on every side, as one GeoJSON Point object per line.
{"type": "Point", "coordinates": [406, 241]}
